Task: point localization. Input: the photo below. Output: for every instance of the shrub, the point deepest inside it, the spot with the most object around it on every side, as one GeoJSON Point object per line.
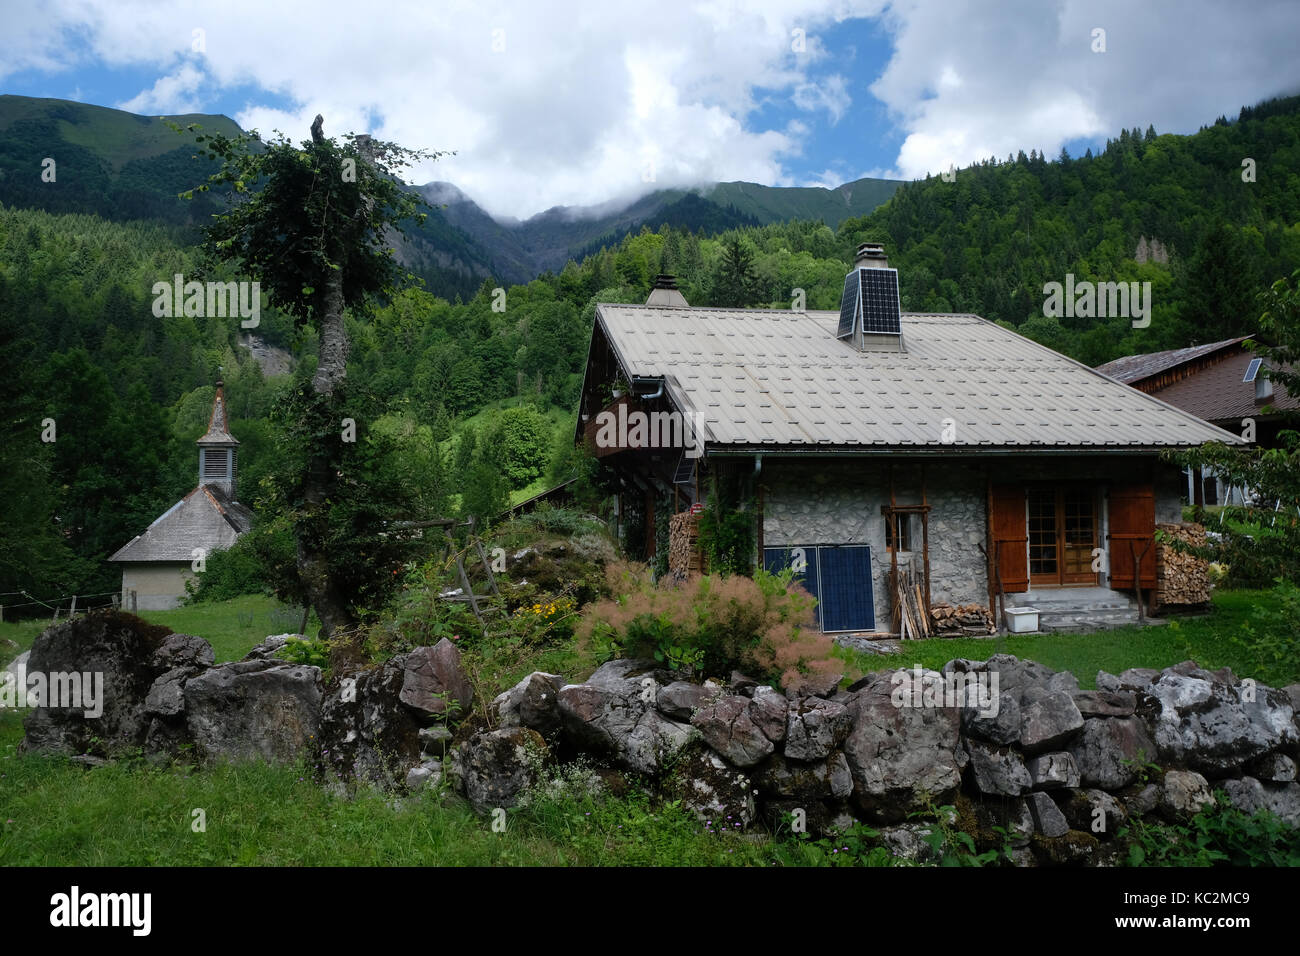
{"type": "Point", "coordinates": [762, 625]}
{"type": "Point", "coordinates": [1271, 638]}
{"type": "Point", "coordinates": [1220, 835]}
{"type": "Point", "coordinates": [231, 572]}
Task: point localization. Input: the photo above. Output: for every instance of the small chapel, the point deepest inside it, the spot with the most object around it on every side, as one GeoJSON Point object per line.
{"type": "Point", "coordinates": [157, 563]}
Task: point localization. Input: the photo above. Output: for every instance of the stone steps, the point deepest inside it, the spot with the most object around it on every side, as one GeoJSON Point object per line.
{"type": "Point", "coordinates": [1078, 610]}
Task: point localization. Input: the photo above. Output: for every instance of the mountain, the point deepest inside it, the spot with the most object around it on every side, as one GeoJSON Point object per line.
{"type": "Point", "coordinates": [123, 167]}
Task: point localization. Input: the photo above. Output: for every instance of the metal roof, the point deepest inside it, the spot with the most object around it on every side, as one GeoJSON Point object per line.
{"type": "Point", "coordinates": [205, 518]}
{"type": "Point", "coordinates": [782, 379]}
{"type": "Point", "coordinates": [1218, 393]}
{"type": "Point", "coordinates": [1133, 368]}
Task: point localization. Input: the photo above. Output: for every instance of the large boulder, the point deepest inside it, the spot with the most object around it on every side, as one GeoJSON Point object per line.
{"type": "Point", "coordinates": [719, 795]}
{"type": "Point", "coordinates": [1185, 792]}
{"type": "Point", "coordinates": [366, 732]}
{"type": "Point", "coordinates": [728, 727]}
{"type": "Point", "coordinates": [1214, 724]}
{"type": "Point", "coordinates": [434, 683]}
{"type": "Point", "coordinates": [251, 710]}
{"type": "Point", "coordinates": [815, 727]}
{"type": "Point", "coordinates": [901, 757]}
{"type": "Point", "coordinates": [111, 657]}
{"type": "Point", "coordinates": [614, 713]}
{"type": "Point", "coordinates": [680, 699]}
{"type": "Point", "coordinates": [768, 710]}
{"type": "Point", "coordinates": [1049, 821]}
{"type": "Point", "coordinates": [827, 779]}
{"type": "Point", "coordinates": [1111, 752]}
{"type": "Point", "coordinates": [496, 766]}
{"type": "Point", "coordinates": [1048, 718]}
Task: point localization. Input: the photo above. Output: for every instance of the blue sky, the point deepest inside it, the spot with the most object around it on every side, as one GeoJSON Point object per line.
{"type": "Point", "coordinates": [582, 103]}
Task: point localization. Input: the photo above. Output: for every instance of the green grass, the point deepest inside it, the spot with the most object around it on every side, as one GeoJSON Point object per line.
{"type": "Point", "coordinates": [1206, 639]}
{"type": "Point", "coordinates": [232, 627]}
{"type": "Point", "coordinates": [53, 813]}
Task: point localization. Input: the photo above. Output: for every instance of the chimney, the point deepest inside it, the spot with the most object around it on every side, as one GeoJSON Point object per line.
{"type": "Point", "coordinates": [1263, 387]}
{"type": "Point", "coordinates": [664, 294]}
{"type": "Point", "coordinates": [871, 255]}
{"type": "Point", "coordinates": [870, 314]}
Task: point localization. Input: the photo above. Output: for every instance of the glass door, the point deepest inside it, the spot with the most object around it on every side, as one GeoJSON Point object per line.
{"type": "Point", "coordinates": [1062, 525]}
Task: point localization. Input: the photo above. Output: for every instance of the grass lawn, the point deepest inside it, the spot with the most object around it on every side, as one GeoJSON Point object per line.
{"type": "Point", "coordinates": [1207, 639]}
{"type": "Point", "coordinates": [53, 813]}
{"type": "Point", "coordinates": [231, 627]}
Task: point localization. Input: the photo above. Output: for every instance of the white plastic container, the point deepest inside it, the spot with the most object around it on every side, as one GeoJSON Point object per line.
{"type": "Point", "coordinates": [1021, 620]}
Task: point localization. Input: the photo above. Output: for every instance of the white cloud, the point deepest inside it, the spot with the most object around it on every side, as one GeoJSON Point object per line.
{"type": "Point", "coordinates": [972, 80]}
{"type": "Point", "coordinates": [174, 93]}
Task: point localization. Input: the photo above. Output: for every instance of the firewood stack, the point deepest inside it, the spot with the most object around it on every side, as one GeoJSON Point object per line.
{"type": "Point", "coordinates": [961, 620]}
{"type": "Point", "coordinates": [909, 602]}
{"type": "Point", "coordinates": [1182, 578]}
{"type": "Point", "coordinates": [684, 555]}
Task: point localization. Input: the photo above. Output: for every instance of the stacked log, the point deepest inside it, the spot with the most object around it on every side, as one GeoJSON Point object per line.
{"type": "Point", "coordinates": [961, 620]}
{"type": "Point", "coordinates": [684, 555]}
{"type": "Point", "coordinates": [1182, 578]}
{"type": "Point", "coordinates": [909, 602]}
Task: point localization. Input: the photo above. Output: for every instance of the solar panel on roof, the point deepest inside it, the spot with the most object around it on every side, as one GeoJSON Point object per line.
{"type": "Point", "coordinates": [880, 305]}
{"type": "Point", "coordinates": [1252, 370]}
{"type": "Point", "coordinates": [848, 306]}
{"type": "Point", "coordinates": [685, 472]}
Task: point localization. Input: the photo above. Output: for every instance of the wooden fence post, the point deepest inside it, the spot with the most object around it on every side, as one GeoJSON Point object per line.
{"type": "Point", "coordinates": [133, 601]}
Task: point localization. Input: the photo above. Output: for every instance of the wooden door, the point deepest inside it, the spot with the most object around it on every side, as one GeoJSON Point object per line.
{"type": "Point", "coordinates": [1132, 515]}
{"type": "Point", "coordinates": [1007, 519]}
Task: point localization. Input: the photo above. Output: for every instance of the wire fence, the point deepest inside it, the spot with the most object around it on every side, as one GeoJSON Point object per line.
{"type": "Point", "coordinates": [71, 603]}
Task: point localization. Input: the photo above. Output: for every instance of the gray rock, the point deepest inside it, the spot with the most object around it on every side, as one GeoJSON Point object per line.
{"type": "Point", "coordinates": [1136, 678]}
{"type": "Point", "coordinates": [427, 775]}
{"type": "Point", "coordinates": [1053, 770]}
{"type": "Point", "coordinates": [1251, 796]}
{"type": "Point", "coordinates": [366, 732]}
{"type": "Point", "coordinates": [719, 795]}
{"type": "Point", "coordinates": [496, 766]}
{"type": "Point", "coordinates": [901, 757]}
{"type": "Point", "coordinates": [1109, 749]}
{"type": "Point", "coordinates": [1063, 681]}
{"type": "Point", "coordinates": [434, 684]}
{"type": "Point", "coordinates": [907, 841]}
{"type": "Point", "coordinates": [680, 699]}
{"type": "Point", "coordinates": [616, 716]}
{"type": "Point", "coordinates": [1048, 722]}
{"type": "Point", "coordinates": [1092, 811]}
{"type": "Point", "coordinates": [167, 695]}
{"type": "Point", "coordinates": [1215, 727]}
{"type": "Point", "coordinates": [1145, 800]}
{"type": "Point", "coordinates": [183, 650]}
{"type": "Point", "coordinates": [1048, 819]}
{"type": "Point", "coordinates": [824, 780]}
{"type": "Point", "coordinates": [815, 727]}
{"type": "Point", "coordinates": [727, 727]}
{"type": "Point", "coordinates": [997, 772]}
{"type": "Point", "coordinates": [435, 741]}
{"type": "Point", "coordinates": [121, 648]}
{"type": "Point", "coordinates": [534, 702]}
{"type": "Point", "coordinates": [251, 710]}
{"type": "Point", "coordinates": [1001, 728]}
{"type": "Point", "coordinates": [1104, 703]}
{"type": "Point", "coordinates": [767, 710]}
{"type": "Point", "coordinates": [271, 648]}
{"type": "Point", "coordinates": [1185, 792]}
{"type": "Point", "coordinates": [1273, 768]}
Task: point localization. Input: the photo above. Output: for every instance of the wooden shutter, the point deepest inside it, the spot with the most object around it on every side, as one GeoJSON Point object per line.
{"type": "Point", "coordinates": [1132, 515]}
{"type": "Point", "coordinates": [1010, 537]}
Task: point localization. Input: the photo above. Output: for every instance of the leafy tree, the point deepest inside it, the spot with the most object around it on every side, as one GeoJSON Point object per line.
{"type": "Point", "coordinates": [315, 233]}
{"type": "Point", "coordinates": [516, 440]}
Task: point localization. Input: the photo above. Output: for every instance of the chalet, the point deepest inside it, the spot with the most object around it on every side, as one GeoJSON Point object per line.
{"type": "Point", "coordinates": [892, 457]}
{"type": "Point", "coordinates": [157, 563]}
{"type": "Point", "coordinates": [1224, 383]}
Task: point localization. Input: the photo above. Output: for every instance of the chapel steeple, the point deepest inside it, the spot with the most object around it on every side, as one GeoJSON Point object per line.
{"type": "Point", "coordinates": [217, 449]}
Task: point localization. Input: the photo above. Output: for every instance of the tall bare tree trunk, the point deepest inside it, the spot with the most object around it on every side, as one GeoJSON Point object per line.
{"type": "Point", "coordinates": [332, 607]}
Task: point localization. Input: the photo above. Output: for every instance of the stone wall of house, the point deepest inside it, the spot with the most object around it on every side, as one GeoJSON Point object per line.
{"type": "Point", "coordinates": [838, 501]}
{"type": "Point", "coordinates": [158, 585]}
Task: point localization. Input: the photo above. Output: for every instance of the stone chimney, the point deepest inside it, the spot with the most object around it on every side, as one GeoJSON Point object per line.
{"type": "Point", "coordinates": [870, 313]}
{"type": "Point", "coordinates": [871, 255]}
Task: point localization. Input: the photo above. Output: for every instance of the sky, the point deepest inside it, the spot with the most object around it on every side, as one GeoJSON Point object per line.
{"type": "Point", "coordinates": [558, 102]}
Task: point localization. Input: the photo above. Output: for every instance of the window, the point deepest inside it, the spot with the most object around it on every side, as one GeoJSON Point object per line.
{"type": "Point", "coordinates": [904, 532]}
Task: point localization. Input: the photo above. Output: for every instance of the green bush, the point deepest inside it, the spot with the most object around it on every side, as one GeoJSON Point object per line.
{"type": "Point", "coordinates": [230, 573]}
{"type": "Point", "coordinates": [1220, 835]}
{"type": "Point", "coordinates": [1270, 639]}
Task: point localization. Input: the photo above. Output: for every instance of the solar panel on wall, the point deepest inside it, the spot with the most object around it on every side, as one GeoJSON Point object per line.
{"type": "Point", "coordinates": [880, 305]}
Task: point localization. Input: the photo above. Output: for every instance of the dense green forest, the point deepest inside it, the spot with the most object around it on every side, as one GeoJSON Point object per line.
{"type": "Point", "coordinates": [478, 392]}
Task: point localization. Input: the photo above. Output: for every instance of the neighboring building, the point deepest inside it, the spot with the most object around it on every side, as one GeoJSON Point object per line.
{"type": "Point", "coordinates": [1224, 383]}
{"type": "Point", "coordinates": [873, 439]}
{"type": "Point", "coordinates": [157, 563]}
